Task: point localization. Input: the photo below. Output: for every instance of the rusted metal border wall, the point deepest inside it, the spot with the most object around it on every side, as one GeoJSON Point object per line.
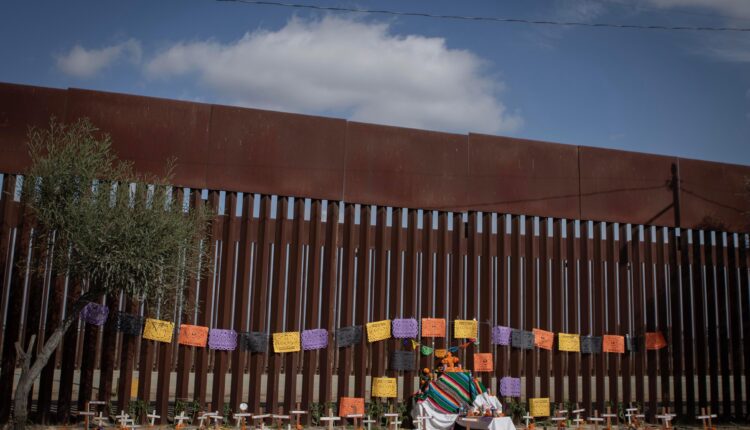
{"type": "Point", "coordinates": [289, 254]}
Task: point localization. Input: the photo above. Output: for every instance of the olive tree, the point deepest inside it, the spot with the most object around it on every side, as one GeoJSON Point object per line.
{"type": "Point", "coordinates": [101, 223]}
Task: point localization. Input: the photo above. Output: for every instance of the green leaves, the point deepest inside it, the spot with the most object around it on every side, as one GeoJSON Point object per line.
{"type": "Point", "coordinates": [115, 228]}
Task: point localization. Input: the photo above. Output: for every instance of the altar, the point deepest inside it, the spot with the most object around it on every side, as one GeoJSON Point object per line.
{"type": "Point", "coordinates": [486, 423]}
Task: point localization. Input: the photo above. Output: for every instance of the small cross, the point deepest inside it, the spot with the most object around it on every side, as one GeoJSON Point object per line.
{"type": "Point", "coordinates": [393, 418]}
{"type": "Point", "coordinates": [298, 416]}
{"type": "Point", "coordinates": [180, 420]}
{"type": "Point", "coordinates": [528, 418]}
{"type": "Point", "coordinates": [420, 421]}
{"type": "Point", "coordinates": [152, 417]}
{"type": "Point", "coordinates": [280, 420]}
{"type": "Point", "coordinates": [330, 419]}
{"type": "Point", "coordinates": [202, 419]}
{"type": "Point", "coordinates": [261, 417]}
{"type": "Point", "coordinates": [123, 419]}
{"type": "Point", "coordinates": [666, 418]}
{"type": "Point", "coordinates": [706, 418]}
{"type": "Point", "coordinates": [609, 415]}
{"type": "Point", "coordinates": [596, 420]}
{"type": "Point", "coordinates": [368, 421]}
{"type": "Point", "coordinates": [217, 419]}
{"type": "Point", "coordinates": [100, 420]}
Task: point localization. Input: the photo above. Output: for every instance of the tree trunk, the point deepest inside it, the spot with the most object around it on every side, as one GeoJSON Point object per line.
{"type": "Point", "coordinates": [30, 373]}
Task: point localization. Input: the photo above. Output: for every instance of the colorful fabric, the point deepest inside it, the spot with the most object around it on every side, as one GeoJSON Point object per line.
{"type": "Point", "coordinates": [451, 391]}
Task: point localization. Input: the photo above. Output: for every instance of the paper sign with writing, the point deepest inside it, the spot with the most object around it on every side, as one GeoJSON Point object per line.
{"type": "Point", "coordinates": [405, 328]}
{"type": "Point", "coordinates": [539, 407]}
{"type": "Point", "coordinates": [483, 362]}
{"type": "Point", "coordinates": [591, 344]}
{"type": "Point", "coordinates": [655, 340]}
{"type": "Point", "coordinates": [440, 353]}
{"type": "Point", "coordinates": [158, 330]}
{"type": "Point", "coordinates": [379, 330]}
{"type": "Point", "coordinates": [314, 339]}
{"type": "Point", "coordinates": [129, 324]}
{"type": "Point", "coordinates": [569, 342]}
{"type": "Point", "coordinates": [522, 339]}
{"type": "Point", "coordinates": [286, 342]}
{"type": "Point", "coordinates": [348, 336]}
{"type": "Point", "coordinates": [222, 339]}
{"type": "Point", "coordinates": [351, 406]}
{"type": "Point", "coordinates": [510, 387]}
{"type": "Point", "coordinates": [465, 329]}
{"type": "Point", "coordinates": [544, 339]}
{"type": "Point", "coordinates": [613, 343]}
{"type": "Point", "coordinates": [433, 327]}
{"type": "Point", "coordinates": [384, 387]}
{"type": "Point", "coordinates": [634, 343]}
{"type": "Point", "coordinates": [402, 360]}
{"type": "Point", "coordinates": [193, 335]}
{"type": "Point", "coordinates": [254, 341]}
{"type": "Point", "coordinates": [500, 335]}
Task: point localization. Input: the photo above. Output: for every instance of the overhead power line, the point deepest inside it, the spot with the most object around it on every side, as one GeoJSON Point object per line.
{"type": "Point", "coordinates": [488, 18]}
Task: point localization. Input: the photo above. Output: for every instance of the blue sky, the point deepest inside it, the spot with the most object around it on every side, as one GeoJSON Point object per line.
{"type": "Point", "coordinates": [665, 92]}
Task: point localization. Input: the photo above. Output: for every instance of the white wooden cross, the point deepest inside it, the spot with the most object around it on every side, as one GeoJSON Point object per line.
{"type": "Point", "coordinates": [368, 421]}
{"type": "Point", "coordinates": [152, 418]}
{"type": "Point", "coordinates": [298, 416]}
{"type": "Point", "coordinates": [240, 417]}
{"type": "Point", "coordinates": [420, 421]}
{"type": "Point", "coordinates": [578, 420]}
{"type": "Point", "coordinates": [217, 419]}
{"type": "Point", "coordinates": [100, 420]}
{"type": "Point", "coordinates": [261, 417]}
{"type": "Point", "coordinates": [393, 418]}
{"type": "Point", "coordinates": [666, 418]}
{"type": "Point", "coordinates": [280, 421]}
{"type": "Point", "coordinates": [609, 415]}
{"type": "Point", "coordinates": [86, 414]}
{"type": "Point", "coordinates": [356, 418]}
{"type": "Point", "coordinates": [706, 417]}
{"type": "Point", "coordinates": [630, 413]}
{"type": "Point", "coordinates": [330, 419]}
{"type": "Point", "coordinates": [203, 417]}
{"type": "Point", "coordinates": [180, 420]}
{"type": "Point", "coordinates": [528, 418]}
{"type": "Point", "coordinates": [596, 420]}
{"type": "Point", "coordinates": [123, 419]}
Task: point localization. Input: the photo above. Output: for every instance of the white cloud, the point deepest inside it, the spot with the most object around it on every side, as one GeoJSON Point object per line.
{"type": "Point", "coordinates": [86, 63]}
{"type": "Point", "coordinates": [733, 9]}
{"type": "Point", "coordinates": [336, 65]}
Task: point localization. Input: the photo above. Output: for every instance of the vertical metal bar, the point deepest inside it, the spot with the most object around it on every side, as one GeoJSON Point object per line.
{"type": "Point", "coordinates": [353, 254]}
{"type": "Point", "coordinates": [724, 339]}
{"type": "Point", "coordinates": [599, 312]}
{"type": "Point", "coordinates": [611, 302]}
{"type": "Point", "coordinates": [544, 303]}
{"type": "Point", "coordinates": [573, 290]}
{"type": "Point", "coordinates": [516, 355]}
{"type": "Point", "coordinates": [675, 337]}
{"type": "Point", "coordinates": [299, 231]}
{"type": "Point", "coordinates": [625, 270]}
{"type": "Point", "coordinates": [278, 282]}
{"type": "Point", "coordinates": [368, 241]}
{"type": "Point", "coordinates": [653, 369]}
{"type": "Point", "coordinates": [736, 311]}
{"type": "Point", "coordinates": [638, 284]}
{"type": "Point", "coordinates": [698, 285]}
{"type": "Point", "coordinates": [558, 310]}
{"type": "Point", "coordinates": [330, 281]}
{"type": "Point", "coordinates": [584, 288]}
{"type": "Point", "coordinates": [531, 358]}
{"type": "Point", "coordinates": [709, 252]}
